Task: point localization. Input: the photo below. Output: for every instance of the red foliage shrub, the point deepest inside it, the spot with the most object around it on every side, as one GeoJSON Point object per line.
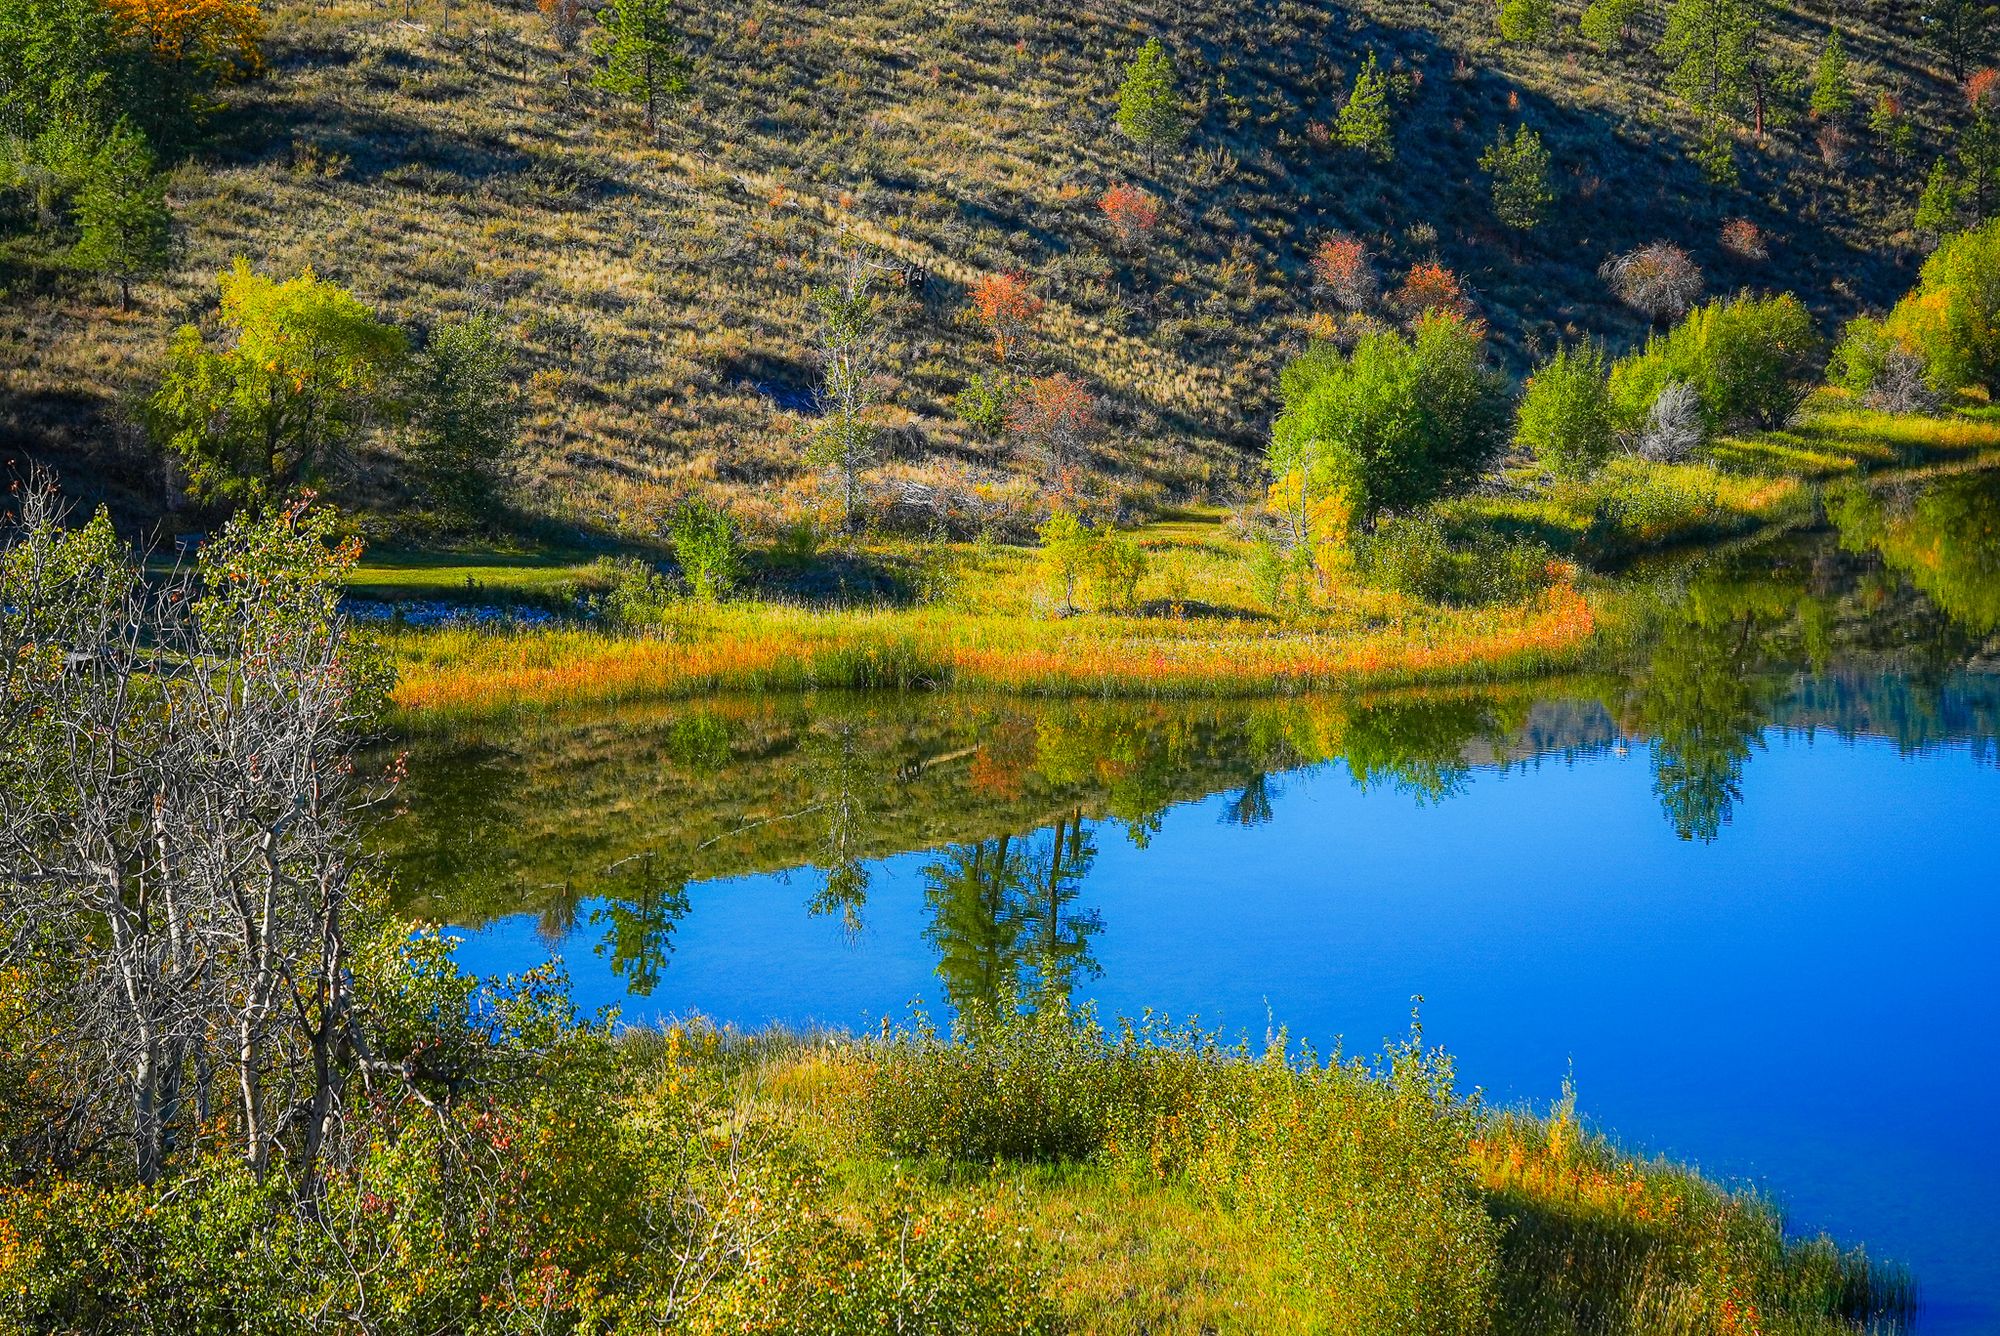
{"type": "Point", "coordinates": [1132, 213]}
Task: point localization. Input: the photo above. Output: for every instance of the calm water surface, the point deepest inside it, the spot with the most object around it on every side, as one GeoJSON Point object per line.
{"type": "Point", "coordinates": [1742, 883]}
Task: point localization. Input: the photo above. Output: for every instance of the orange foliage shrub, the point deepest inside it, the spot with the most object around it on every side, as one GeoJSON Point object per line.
{"type": "Point", "coordinates": [1743, 238]}
{"type": "Point", "coordinates": [1055, 417]}
{"type": "Point", "coordinates": [218, 34]}
{"type": "Point", "coordinates": [1432, 287]}
{"type": "Point", "coordinates": [1982, 90]}
{"type": "Point", "coordinates": [1341, 270]}
{"type": "Point", "coordinates": [1006, 308]}
{"type": "Point", "coordinates": [1131, 212]}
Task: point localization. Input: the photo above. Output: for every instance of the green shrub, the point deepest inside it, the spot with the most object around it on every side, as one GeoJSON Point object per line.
{"type": "Point", "coordinates": [1417, 557]}
{"type": "Point", "coordinates": [982, 404]}
{"type": "Point", "coordinates": [1565, 414]}
{"type": "Point", "coordinates": [707, 546]}
{"type": "Point", "coordinates": [1396, 423]}
{"type": "Point", "coordinates": [1117, 565]}
{"type": "Point", "coordinates": [1066, 553]}
{"type": "Point", "coordinates": [1952, 319]}
{"type": "Point", "coordinates": [1753, 361]}
{"type": "Point", "coordinates": [634, 594]}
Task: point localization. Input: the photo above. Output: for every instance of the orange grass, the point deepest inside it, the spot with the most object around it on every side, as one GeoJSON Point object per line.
{"type": "Point", "coordinates": [764, 647]}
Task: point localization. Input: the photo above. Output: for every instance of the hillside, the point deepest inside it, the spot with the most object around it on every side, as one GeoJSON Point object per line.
{"type": "Point", "coordinates": [443, 158]}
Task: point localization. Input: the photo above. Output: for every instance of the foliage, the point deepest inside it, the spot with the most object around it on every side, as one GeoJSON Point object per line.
{"type": "Point", "coordinates": [1950, 322]}
{"type": "Point", "coordinates": [982, 404]}
{"type": "Point", "coordinates": [1007, 309]}
{"type": "Point", "coordinates": [1131, 212]}
{"type": "Point", "coordinates": [1430, 288]}
{"type": "Point", "coordinates": [1752, 360]}
{"type": "Point", "coordinates": [1053, 419]}
{"type": "Point", "coordinates": [1526, 21]}
{"type": "Point", "coordinates": [1066, 552]}
{"type": "Point", "coordinates": [1833, 87]}
{"type": "Point", "coordinates": [640, 53]}
{"type": "Point", "coordinates": [1341, 269]}
{"type": "Point", "coordinates": [634, 593]}
{"type": "Point", "coordinates": [1363, 123]}
{"type": "Point", "coordinates": [1117, 566]}
{"type": "Point", "coordinates": [464, 416]}
{"type": "Point", "coordinates": [1710, 48]}
{"type": "Point", "coordinates": [1962, 31]}
{"type": "Point", "coordinates": [1608, 22]}
{"type": "Point", "coordinates": [1416, 556]}
{"type": "Point", "coordinates": [121, 210]}
{"type": "Point", "coordinates": [1151, 111]}
{"type": "Point", "coordinates": [1396, 422]}
{"type": "Point", "coordinates": [1520, 171]}
{"type": "Point", "coordinates": [1937, 206]}
{"type": "Point", "coordinates": [1565, 413]}
{"type": "Point", "coordinates": [707, 547]}
{"type": "Point", "coordinates": [276, 406]}
{"type": "Point", "coordinates": [850, 345]}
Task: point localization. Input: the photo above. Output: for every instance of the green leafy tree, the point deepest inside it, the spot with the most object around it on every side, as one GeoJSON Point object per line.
{"type": "Point", "coordinates": [640, 51]}
{"type": "Point", "coordinates": [464, 417]}
{"type": "Point", "coordinates": [121, 210]}
{"type": "Point", "coordinates": [304, 365]}
{"type": "Point", "coordinates": [1066, 552]}
{"type": "Point", "coordinates": [1951, 322]}
{"type": "Point", "coordinates": [1363, 123]}
{"type": "Point", "coordinates": [1520, 171]}
{"type": "Point", "coordinates": [1397, 422]}
{"type": "Point", "coordinates": [1937, 207]}
{"type": "Point", "coordinates": [1565, 416]}
{"type": "Point", "coordinates": [1526, 21]}
{"type": "Point", "coordinates": [1751, 360]}
{"type": "Point", "coordinates": [1833, 86]}
{"type": "Point", "coordinates": [1151, 111]}
{"type": "Point", "coordinates": [1962, 31]}
{"type": "Point", "coordinates": [1609, 22]}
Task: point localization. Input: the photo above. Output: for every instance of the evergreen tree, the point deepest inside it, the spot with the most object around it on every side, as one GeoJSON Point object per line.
{"type": "Point", "coordinates": [1363, 124]}
{"type": "Point", "coordinates": [1151, 111]}
{"type": "Point", "coordinates": [1962, 31]}
{"type": "Point", "coordinates": [1937, 207]}
{"type": "Point", "coordinates": [464, 419]}
{"type": "Point", "coordinates": [1710, 50]}
{"type": "Point", "coordinates": [1608, 22]}
{"type": "Point", "coordinates": [641, 53]}
{"type": "Point", "coordinates": [1525, 21]}
{"type": "Point", "coordinates": [1833, 89]}
{"type": "Point", "coordinates": [121, 209]}
{"type": "Point", "coordinates": [1520, 171]}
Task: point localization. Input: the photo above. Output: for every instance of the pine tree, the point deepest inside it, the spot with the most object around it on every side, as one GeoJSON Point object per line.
{"type": "Point", "coordinates": [1363, 124]}
{"type": "Point", "coordinates": [1832, 90]}
{"type": "Point", "coordinates": [1520, 172]}
{"type": "Point", "coordinates": [121, 208]}
{"type": "Point", "coordinates": [1937, 207]}
{"type": "Point", "coordinates": [1962, 31]}
{"type": "Point", "coordinates": [1710, 50]}
{"type": "Point", "coordinates": [1151, 112]}
{"type": "Point", "coordinates": [641, 51]}
{"type": "Point", "coordinates": [1608, 22]}
{"type": "Point", "coordinates": [1526, 21]}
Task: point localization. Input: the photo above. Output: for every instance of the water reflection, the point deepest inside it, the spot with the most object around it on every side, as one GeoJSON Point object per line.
{"type": "Point", "coordinates": [601, 822]}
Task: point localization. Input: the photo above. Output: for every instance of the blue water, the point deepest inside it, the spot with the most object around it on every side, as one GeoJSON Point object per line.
{"type": "Point", "coordinates": [1807, 1003]}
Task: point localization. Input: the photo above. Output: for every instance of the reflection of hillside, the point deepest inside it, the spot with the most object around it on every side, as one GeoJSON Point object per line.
{"type": "Point", "coordinates": [1809, 636]}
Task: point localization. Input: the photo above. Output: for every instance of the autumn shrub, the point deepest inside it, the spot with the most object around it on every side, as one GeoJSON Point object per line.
{"type": "Point", "coordinates": [1430, 287]}
{"type": "Point", "coordinates": [1341, 269]}
{"type": "Point", "coordinates": [1659, 280]}
{"type": "Point", "coordinates": [1950, 322]}
{"type": "Point", "coordinates": [1131, 213]}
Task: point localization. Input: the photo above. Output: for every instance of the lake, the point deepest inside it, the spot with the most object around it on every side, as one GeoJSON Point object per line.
{"type": "Point", "coordinates": [1738, 881]}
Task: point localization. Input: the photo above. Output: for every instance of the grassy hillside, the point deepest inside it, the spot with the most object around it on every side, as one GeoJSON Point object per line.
{"type": "Point", "coordinates": [443, 158]}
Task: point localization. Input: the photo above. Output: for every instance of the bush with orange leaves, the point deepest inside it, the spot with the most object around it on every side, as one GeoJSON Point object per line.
{"type": "Point", "coordinates": [1132, 213]}
{"type": "Point", "coordinates": [1745, 240]}
{"type": "Point", "coordinates": [1054, 418]}
{"type": "Point", "coordinates": [219, 36]}
{"type": "Point", "coordinates": [1341, 270]}
{"type": "Point", "coordinates": [1430, 287]}
{"type": "Point", "coordinates": [1007, 309]}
